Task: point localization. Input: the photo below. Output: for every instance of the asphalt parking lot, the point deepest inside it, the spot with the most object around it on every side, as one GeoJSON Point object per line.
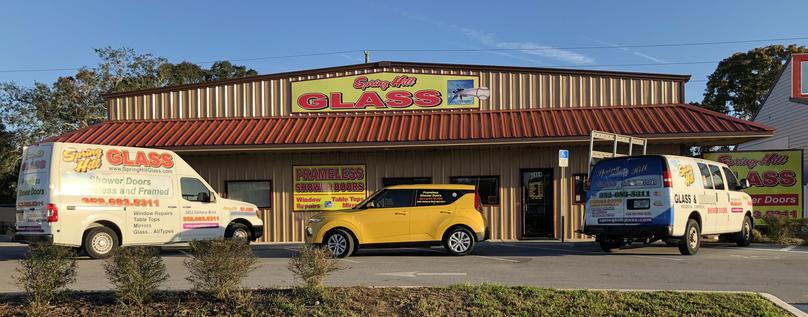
{"type": "Point", "coordinates": [722, 267]}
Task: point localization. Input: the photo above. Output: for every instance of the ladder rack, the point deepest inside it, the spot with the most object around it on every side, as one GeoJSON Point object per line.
{"type": "Point", "coordinates": [616, 139]}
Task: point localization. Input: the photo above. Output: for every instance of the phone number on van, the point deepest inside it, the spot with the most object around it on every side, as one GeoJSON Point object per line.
{"type": "Point", "coordinates": [136, 202]}
{"type": "Point", "coordinates": [636, 193]}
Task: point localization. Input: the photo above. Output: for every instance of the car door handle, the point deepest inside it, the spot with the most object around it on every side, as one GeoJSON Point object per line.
{"type": "Point", "coordinates": [445, 212]}
{"type": "Point", "coordinates": [401, 213]}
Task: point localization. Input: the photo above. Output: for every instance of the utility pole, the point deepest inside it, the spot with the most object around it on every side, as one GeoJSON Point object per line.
{"type": "Point", "coordinates": [367, 57]}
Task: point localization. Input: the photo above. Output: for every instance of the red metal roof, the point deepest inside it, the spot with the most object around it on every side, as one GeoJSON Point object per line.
{"type": "Point", "coordinates": [422, 127]}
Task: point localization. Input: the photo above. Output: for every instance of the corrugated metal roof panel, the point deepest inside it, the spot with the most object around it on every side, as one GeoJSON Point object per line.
{"type": "Point", "coordinates": [416, 127]}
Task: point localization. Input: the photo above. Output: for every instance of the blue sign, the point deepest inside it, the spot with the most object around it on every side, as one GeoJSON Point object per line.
{"type": "Point", "coordinates": [563, 158]}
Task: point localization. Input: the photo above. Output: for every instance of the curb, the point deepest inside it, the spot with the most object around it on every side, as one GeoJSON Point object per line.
{"type": "Point", "coordinates": [786, 306]}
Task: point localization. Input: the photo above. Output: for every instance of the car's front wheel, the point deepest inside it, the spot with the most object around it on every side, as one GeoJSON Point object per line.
{"type": "Point", "coordinates": [237, 231]}
{"type": "Point", "coordinates": [340, 243]}
{"type": "Point", "coordinates": [459, 241]}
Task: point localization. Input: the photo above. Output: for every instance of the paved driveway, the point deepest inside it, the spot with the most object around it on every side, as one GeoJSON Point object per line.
{"type": "Point", "coordinates": [780, 271]}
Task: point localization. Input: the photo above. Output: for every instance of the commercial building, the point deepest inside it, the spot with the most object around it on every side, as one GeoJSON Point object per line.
{"type": "Point", "coordinates": [320, 139]}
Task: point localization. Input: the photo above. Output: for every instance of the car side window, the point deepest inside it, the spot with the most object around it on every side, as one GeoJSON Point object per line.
{"type": "Point", "coordinates": [194, 190]}
{"type": "Point", "coordinates": [393, 198]}
{"type": "Point", "coordinates": [718, 181]}
{"type": "Point", "coordinates": [706, 177]}
{"type": "Point", "coordinates": [732, 181]}
{"type": "Point", "coordinates": [431, 197]}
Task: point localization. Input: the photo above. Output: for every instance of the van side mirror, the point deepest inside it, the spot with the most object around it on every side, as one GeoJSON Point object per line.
{"type": "Point", "coordinates": [744, 184]}
{"type": "Point", "coordinates": [203, 197]}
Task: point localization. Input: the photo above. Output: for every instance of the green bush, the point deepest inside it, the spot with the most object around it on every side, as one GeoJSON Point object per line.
{"type": "Point", "coordinates": [44, 274]}
{"type": "Point", "coordinates": [219, 266]}
{"type": "Point", "coordinates": [780, 229]}
{"type": "Point", "coordinates": [136, 273]}
{"type": "Point", "coordinates": [312, 265]}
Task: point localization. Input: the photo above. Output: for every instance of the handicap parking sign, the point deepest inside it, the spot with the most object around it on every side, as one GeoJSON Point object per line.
{"type": "Point", "coordinates": [563, 158]}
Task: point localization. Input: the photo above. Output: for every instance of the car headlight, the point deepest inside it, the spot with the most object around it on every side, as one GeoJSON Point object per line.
{"type": "Point", "coordinates": [315, 220]}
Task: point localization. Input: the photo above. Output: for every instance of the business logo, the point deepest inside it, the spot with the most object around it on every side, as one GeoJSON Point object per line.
{"type": "Point", "coordinates": [387, 91]}
{"type": "Point", "coordinates": [85, 160]}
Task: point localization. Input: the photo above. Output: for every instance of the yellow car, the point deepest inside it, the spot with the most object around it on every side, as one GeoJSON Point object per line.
{"type": "Point", "coordinates": [404, 215]}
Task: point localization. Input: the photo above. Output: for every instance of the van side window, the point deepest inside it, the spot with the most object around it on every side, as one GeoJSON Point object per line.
{"type": "Point", "coordinates": [706, 177]}
{"type": "Point", "coordinates": [194, 190]}
{"type": "Point", "coordinates": [718, 181]}
{"type": "Point", "coordinates": [393, 198]}
{"type": "Point", "coordinates": [732, 181]}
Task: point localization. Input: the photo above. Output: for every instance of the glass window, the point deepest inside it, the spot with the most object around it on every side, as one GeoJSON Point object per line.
{"type": "Point", "coordinates": [256, 192]}
{"type": "Point", "coordinates": [428, 197]}
{"type": "Point", "coordinates": [392, 198]}
{"type": "Point", "coordinates": [390, 181]}
{"type": "Point", "coordinates": [578, 188]}
{"type": "Point", "coordinates": [718, 181]}
{"type": "Point", "coordinates": [194, 190]}
{"type": "Point", "coordinates": [732, 181]}
{"type": "Point", "coordinates": [487, 187]}
{"type": "Point", "coordinates": [627, 173]}
{"type": "Point", "coordinates": [706, 179]}
{"type": "Point", "coordinates": [804, 79]}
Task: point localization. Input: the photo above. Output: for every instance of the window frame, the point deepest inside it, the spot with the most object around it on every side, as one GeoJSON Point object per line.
{"type": "Point", "coordinates": [452, 180]}
{"type": "Point", "coordinates": [574, 189]}
{"type": "Point", "coordinates": [227, 189]}
{"type": "Point", "coordinates": [725, 169]}
{"type": "Point", "coordinates": [210, 191]}
{"type": "Point", "coordinates": [708, 178]}
{"type": "Point", "coordinates": [720, 175]}
{"type": "Point", "coordinates": [428, 178]}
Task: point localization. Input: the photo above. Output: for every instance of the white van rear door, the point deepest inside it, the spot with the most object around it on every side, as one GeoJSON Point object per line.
{"type": "Point", "coordinates": [627, 191]}
{"type": "Point", "coordinates": [33, 190]}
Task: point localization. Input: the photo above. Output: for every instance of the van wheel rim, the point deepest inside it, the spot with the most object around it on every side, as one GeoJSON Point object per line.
{"type": "Point", "coordinates": [240, 234]}
{"type": "Point", "coordinates": [693, 238]}
{"type": "Point", "coordinates": [102, 243]}
{"type": "Point", "coordinates": [337, 244]}
{"type": "Point", "coordinates": [459, 241]}
{"type": "Point", "coordinates": [746, 230]}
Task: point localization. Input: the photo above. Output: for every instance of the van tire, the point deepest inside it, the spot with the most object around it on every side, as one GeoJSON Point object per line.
{"type": "Point", "coordinates": [100, 242]}
{"type": "Point", "coordinates": [459, 241]}
{"type": "Point", "coordinates": [238, 231]}
{"type": "Point", "coordinates": [609, 244]}
{"type": "Point", "coordinates": [691, 241]}
{"type": "Point", "coordinates": [744, 238]}
{"type": "Point", "coordinates": [339, 242]}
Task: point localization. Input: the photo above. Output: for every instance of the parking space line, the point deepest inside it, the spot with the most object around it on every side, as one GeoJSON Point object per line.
{"type": "Point", "coordinates": [789, 248]}
{"type": "Point", "coordinates": [351, 261]}
{"type": "Point", "coordinates": [495, 258]}
{"type": "Point", "coordinates": [658, 258]}
{"type": "Point", "coordinates": [774, 250]}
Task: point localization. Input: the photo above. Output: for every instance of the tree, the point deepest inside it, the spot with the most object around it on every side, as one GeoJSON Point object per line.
{"type": "Point", "coordinates": [32, 114]}
{"type": "Point", "coordinates": [740, 82]}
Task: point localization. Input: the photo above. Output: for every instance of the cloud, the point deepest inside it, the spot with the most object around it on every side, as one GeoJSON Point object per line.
{"type": "Point", "coordinates": [633, 52]}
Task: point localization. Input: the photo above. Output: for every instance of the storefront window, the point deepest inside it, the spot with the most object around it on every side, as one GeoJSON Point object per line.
{"type": "Point", "coordinates": [256, 192]}
{"type": "Point", "coordinates": [390, 181]}
{"type": "Point", "coordinates": [578, 188]}
{"type": "Point", "coordinates": [487, 187]}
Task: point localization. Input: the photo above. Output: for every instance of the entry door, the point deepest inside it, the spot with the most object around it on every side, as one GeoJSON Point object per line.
{"type": "Point", "coordinates": [537, 203]}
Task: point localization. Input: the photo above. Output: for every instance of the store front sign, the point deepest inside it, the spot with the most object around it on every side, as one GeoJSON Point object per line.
{"type": "Point", "coordinates": [775, 179]}
{"type": "Point", "coordinates": [387, 91]}
{"type": "Point", "coordinates": [326, 187]}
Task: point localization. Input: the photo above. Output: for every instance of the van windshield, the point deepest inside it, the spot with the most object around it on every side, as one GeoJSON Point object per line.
{"type": "Point", "coordinates": [627, 173]}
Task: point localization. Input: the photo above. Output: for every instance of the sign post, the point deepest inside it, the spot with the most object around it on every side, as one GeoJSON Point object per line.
{"type": "Point", "coordinates": [563, 163]}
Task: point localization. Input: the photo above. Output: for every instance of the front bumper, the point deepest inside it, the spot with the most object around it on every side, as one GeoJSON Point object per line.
{"type": "Point", "coordinates": [631, 231]}
{"type": "Point", "coordinates": [257, 232]}
{"type": "Point", "coordinates": [33, 238]}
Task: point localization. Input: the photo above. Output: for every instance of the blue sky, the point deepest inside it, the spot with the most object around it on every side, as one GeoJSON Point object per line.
{"type": "Point", "coordinates": [61, 34]}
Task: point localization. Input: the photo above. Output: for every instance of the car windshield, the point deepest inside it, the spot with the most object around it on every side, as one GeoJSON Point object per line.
{"type": "Point", "coordinates": [629, 172]}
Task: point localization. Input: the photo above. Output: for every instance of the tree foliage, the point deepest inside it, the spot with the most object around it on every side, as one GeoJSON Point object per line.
{"type": "Point", "coordinates": [32, 114]}
{"type": "Point", "coordinates": [740, 82]}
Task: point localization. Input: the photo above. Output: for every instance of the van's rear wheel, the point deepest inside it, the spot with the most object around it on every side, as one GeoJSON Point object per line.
{"type": "Point", "coordinates": [609, 244]}
{"type": "Point", "coordinates": [690, 243]}
{"type": "Point", "coordinates": [100, 242]}
{"type": "Point", "coordinates": [744, 238]}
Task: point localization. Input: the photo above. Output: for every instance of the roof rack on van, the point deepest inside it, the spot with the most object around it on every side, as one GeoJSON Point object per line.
{"type": "Point", "coordinates": [616, 140]}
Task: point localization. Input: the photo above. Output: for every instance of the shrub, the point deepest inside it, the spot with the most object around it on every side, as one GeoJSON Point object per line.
{"type": "Point", "coordinates": [312, 265]}
{"type": "Point", "coordinates": [219, 266]}
{"type": "Point", "coordinates": [136, 273]}
{"type": "Point", "coordinates": [44, 274]}
{"type": "Point", "coordinates": [780, 229]}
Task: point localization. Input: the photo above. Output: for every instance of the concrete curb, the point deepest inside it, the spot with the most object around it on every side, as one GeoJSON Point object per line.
{"type": "Point", "coordinates": [788, 307]}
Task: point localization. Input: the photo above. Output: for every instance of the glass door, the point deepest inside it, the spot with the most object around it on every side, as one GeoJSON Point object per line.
{"type": "Point", "coordinates": [537, 203]}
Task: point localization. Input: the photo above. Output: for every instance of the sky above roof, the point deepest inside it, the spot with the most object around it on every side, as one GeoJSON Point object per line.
{"type": "Point", "coordinates": [596, 35]}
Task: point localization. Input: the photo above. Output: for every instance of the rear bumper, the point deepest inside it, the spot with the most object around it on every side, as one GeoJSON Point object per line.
{"type": "Point", "coordinates": [482, 236]}
{"type": "Point", "coordinates": [631, 231]}
{"type": "Point", "coordinates": [257, 232]}
{"type": "Point", "coordinates": [33, 238]}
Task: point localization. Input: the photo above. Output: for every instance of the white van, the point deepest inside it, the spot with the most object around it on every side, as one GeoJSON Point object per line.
{"type": "Point", "coordinates": [662, 197]}
{"type": "Point", "coordinates": [100, 197]}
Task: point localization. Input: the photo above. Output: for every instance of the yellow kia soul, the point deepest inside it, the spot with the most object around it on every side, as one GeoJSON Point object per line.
{"type": "Point", "coordinates": [404, 215]}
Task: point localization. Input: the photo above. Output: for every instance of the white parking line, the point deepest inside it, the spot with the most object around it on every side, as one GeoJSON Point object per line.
{"type": "Point", "coordinates": [658, 258]}
{"type": "Point", "coordinates": [495, 258]}
{"type": "Point", "coordinates": [774, 250]}
{"type": "Point", "coordinates": [351, 261]}
{"type": "Point", "coordinates": [789, 248]}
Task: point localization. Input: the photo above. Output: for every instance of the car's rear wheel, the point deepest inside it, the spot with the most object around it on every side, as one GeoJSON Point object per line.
{"type": "Point", "coordinates": [744, 238]}
{"type": "Point", "coordinates": [340, 243]}
{"type": "Point", "coordinates": [609, 244]}
{"type": "Point", "coordinates": [100, 242]}
{"type": "Point", "coordinates": [690, 243]}
{"type": "Point", "coordinates": [459, 241]}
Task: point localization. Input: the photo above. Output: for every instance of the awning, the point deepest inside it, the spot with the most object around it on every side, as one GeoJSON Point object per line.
{"type": "Point", "coordinates": [677, 123]}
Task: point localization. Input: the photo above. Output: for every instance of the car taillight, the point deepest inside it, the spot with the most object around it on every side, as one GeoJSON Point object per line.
{"type": "Point", "coordinates": [53, 213]}
{"type": "Point", "coordinates": [477, 204]}
{"type": "Point", "coordinates": [667, 181]}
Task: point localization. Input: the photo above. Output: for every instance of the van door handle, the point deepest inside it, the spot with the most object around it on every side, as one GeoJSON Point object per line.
{"type": "Point", "coordinates": [172, 207]}
{"type": "Point", "coordinates": [186, 207]}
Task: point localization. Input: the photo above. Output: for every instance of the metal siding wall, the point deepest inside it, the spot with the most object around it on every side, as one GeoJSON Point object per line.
{"type": "Point", "coordinates": [505, 220]}
{"type": "Point", "coordinates": [510, 90]}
